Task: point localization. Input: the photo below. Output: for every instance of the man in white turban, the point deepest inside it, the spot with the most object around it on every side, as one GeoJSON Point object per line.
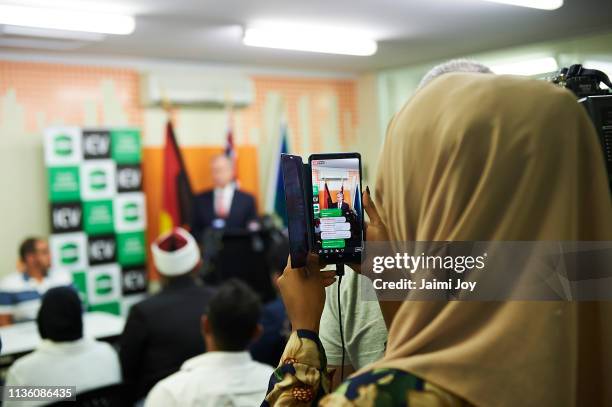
{"type": "Point", "coordinates": [164, 330]}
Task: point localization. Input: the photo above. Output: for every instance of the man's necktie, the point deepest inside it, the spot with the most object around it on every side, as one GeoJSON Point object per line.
{"type": "Point", "coordinates": [220, 205]}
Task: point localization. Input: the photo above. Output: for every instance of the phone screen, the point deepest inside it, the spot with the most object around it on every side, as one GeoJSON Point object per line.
{"type": "Point", "coordinates": [337, 208]}
{"type": "Point", "coordinates": [297, 212]}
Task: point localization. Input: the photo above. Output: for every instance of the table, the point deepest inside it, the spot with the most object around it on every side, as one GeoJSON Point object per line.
{"type": "Point", "coordinates": [23, 337]}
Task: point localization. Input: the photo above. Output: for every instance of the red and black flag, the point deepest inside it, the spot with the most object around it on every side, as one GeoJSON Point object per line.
{"type": "Point", "coordinates": [327, 199]}
{"type": "Point", "coordinates": [176, 189]}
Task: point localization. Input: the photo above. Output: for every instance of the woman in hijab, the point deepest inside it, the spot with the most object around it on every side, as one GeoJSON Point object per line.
{"type": "Point", "coordinates": [472, 157]}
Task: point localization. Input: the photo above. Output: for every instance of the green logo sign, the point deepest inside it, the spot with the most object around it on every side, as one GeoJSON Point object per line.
{"type": "Point", "coordinates": [62, 145]}
{"type": "Point", "coordinates": [131, 248]}
{"type": "Point", "coordinates": [98, 217]}
{"type": "Point", "coordinates": [69, 253]}
{"type": "Point", "coordinates": [104, 284]}
{"type": "Point", "coordinates": [63, 184]}
{"type": "Point", "coordinates": [97, 180]}
{"type": "Point", "coordinates": [130, 212]}
{"type": "Point", "coordinates": [125, 146]}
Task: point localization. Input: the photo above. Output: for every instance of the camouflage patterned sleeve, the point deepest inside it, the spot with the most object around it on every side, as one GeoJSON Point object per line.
{"type": "Point", "coordinates": [301, 377]}
{"type": "Point", "coordinates": [301, 380]}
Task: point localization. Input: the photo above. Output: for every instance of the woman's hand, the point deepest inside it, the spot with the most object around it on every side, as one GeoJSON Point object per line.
{"type": "Point", "coordinates": [303, 292]}
{"type": "Point", "coordinates": [375, 229]}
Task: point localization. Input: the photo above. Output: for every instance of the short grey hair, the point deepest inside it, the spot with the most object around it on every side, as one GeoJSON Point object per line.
{"type": "Point", "coordinates": [454, 65]}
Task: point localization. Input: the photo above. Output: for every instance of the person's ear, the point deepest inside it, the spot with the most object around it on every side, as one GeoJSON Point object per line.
{"type": "Point", "coordinates": [205, 325]}
{"type": "Point", "coordinates": [257, 333]}
{"type": "Point", "coordinates": [196, 270]}
{"type": "Point", "coordinates": [30, 259]}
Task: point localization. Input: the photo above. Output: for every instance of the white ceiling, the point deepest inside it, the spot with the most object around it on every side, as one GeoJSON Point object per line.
{"type": "Point", "coordinates": [408, 31]}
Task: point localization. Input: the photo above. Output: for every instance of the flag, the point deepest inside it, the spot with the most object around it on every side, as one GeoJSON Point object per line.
{"type": "Point", "coordinates": [230, 151]}
{"type": "Point", "coordinates": [357, 200]}
{"type": "Point", "coordinates": [280, 206]}
{"type": "Point", "coordinates": [176, 189]}
{"type": "Point", "coordinates": [277, 190]}
{"type": "Point", "coordinates": [327, 200]}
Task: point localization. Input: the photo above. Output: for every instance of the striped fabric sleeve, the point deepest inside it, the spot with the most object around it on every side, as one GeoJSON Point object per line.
{"type": "Point", "coordinates": [10, 300]}
{"type": "Point", "coordinates": [7, 303]}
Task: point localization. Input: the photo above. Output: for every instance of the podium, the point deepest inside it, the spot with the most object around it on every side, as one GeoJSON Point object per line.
{"type": "Point", "coordinates": [242, 254]}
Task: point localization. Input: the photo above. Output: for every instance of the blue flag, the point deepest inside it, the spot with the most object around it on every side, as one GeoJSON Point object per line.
{"type": "Point", "coordinates": [280, 206]}
{"type": "Point", "coordinates": [357, 201]}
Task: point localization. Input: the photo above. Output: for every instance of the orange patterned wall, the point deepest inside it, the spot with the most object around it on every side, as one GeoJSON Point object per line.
{"type": "Point", "coordinates": [53, 93]}
{"type": "Point", "coordinates": [292, 90]}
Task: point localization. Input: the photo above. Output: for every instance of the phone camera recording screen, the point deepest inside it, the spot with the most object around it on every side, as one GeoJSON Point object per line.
{"type": "Point", "coordinates": [337, 210]}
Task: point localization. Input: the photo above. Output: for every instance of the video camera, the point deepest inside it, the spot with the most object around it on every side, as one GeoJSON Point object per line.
{"type": "Point", "coordinates": [586, 85]}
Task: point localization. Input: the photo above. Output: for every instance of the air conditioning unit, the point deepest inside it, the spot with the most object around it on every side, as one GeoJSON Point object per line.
{"type": "Point", "coordinates": [196, 89]}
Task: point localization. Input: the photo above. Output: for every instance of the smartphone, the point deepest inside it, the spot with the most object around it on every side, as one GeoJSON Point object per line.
{"type": "Point", "coordinates": [336, 207]}
{"type": "Point", "coordinates": [298, 216]}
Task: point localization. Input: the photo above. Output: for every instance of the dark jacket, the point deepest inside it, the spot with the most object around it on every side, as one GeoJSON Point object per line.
{"type": "Point", "coordinates": [242, 211]}
{"type": "Point", "coordinates": [162, 332]}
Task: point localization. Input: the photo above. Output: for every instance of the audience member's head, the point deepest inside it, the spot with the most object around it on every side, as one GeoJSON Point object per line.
{"type": "Point", "coordinates": [454, 65]}
{"type": "Point", "coordinates": [222, 169]}
{"type": "Point", "coordinates": [175, 254]}
{"type": "Point", "coordinates": [232, 321]}
{"type": "Point", "coordinates": [60, 315]}
{"type": "Point", "coordinates": [34, 255]}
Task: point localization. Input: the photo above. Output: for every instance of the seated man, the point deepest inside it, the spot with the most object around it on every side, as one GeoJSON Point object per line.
{"type": "Point", "coordinates": [162, 332]}
{"type": "Point", "coordinates": [226, 375]}
{"type": "Point", "coordinates": [20, 291]}
{"type": "Point", "coordinates": [64, 357]}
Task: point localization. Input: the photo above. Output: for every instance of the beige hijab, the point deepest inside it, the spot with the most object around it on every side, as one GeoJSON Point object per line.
{"type": "Point", "coordinates": [484, 157]}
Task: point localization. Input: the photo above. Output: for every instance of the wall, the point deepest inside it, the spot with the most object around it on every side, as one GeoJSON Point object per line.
{"type": "Point", "coordinates": [395, 86]}
{"type": "Point", "coordinates": [321, 114]}
{"type": "Point", "coordinates": [33, 96]}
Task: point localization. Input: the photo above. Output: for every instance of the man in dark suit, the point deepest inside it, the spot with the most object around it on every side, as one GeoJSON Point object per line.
{"type": "Point", "coordinates": [340, 204]}
{"type": "Point", "coordinates": [224, 206]}
{"type": "Point", "coordinates": [163, 331]}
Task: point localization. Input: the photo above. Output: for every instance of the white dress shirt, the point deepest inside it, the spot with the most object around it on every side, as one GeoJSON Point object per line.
{"type": "Point", "coordinates": [214, 379]}
{"type": "Point", "coordinates": [222, 199]}
{"type": "Point", "coordinates": [84, 363]}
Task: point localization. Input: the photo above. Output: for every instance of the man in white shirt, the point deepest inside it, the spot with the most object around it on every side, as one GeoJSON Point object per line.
{"type": "Point", "coordinates": [64, 357]}
{"type": "Point", "coordinates": [225, 375]}
{"type": "Point", "coordinates": [20, 291]}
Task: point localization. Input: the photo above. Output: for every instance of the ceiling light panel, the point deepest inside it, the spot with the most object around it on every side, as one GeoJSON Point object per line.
{"type": "Point", "coordinates": [68, 20]}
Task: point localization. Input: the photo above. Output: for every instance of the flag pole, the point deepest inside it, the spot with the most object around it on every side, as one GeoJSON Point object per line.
{"type": "Point", "coordinates": [166, 104]}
